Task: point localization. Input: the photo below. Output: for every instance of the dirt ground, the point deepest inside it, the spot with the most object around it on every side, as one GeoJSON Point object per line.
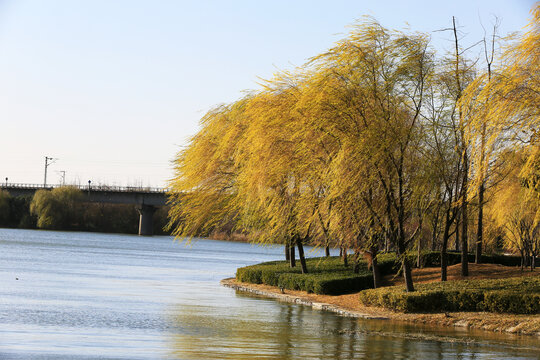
{"type": "Point", "coordinates": [476, 271]}
{"type": "Point", "coordinates": [519, 324]}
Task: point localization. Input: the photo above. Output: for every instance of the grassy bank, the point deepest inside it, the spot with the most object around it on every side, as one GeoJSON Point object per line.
{"type": "Point", "coordinates": [328, 275]}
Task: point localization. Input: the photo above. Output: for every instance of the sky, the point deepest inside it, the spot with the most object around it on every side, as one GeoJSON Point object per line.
{"type": "Point", "coordinates": [113, 89]}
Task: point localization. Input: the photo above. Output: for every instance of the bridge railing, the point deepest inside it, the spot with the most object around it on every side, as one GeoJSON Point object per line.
{"type": "Point", "coordinates": [91, 187]}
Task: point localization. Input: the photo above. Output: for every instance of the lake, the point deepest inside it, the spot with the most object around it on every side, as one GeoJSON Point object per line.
{"type": "Point", "coordinates": [71, 295]}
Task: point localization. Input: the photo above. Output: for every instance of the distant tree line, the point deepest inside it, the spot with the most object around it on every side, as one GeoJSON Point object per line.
{"type": "Point", "coordinates": [63, 209]}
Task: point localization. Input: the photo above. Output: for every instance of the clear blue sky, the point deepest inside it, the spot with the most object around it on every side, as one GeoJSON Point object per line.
{"type": "Point", "coordinates": [114, 88]}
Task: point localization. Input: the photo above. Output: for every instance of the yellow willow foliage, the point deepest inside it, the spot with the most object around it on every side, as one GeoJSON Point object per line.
{"type": "Point", "coordinates": [370, 89]}
{"type": "Point", "coordinates": [513, 209]}
{"type": "Point", "coordinates": [507, 106]}
{"type": "Point", "coordinates": [204, 186]}
{"type": "Point", "coordinates": [304, 156]}
{"type": "Point", "coordinates": [272, 179]}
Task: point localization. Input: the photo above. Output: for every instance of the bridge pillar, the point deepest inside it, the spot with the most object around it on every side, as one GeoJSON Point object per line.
{"type": "Point", "coordinates": [146, 219]}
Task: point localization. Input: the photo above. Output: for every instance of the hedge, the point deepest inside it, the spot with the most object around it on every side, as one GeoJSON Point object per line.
{"type": "Point", "coordinates": [328, 284]}
{"type": "Point", "coordinates": [327, 276]}
{"type": "Point", "coordinates": [513, 295]}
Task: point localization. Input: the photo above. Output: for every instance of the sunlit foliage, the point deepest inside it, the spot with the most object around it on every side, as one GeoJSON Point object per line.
{"type": "Point", "coordinates": [368, 147]}
{"type": "Point", "coordinates": [507, 106]}
{"type": "Point", "coordinates": [514, 211]}
{"type": "Point", "coordinates": [56, 209]}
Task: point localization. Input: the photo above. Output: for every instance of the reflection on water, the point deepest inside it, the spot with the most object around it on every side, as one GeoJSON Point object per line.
{"type": "Point", "coordinates": [286, 332]}
{"type": "Point", "coordinates": [298, 332]}
{"type": "Point", "coordinates": [101, 296]}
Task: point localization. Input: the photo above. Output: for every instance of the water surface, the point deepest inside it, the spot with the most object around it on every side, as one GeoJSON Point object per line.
{"type": "Point", "coordinates": [67, 295]}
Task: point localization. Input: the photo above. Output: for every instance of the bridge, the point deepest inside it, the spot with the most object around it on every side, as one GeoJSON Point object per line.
{"type": "Point", "coordinates": [146, 199]}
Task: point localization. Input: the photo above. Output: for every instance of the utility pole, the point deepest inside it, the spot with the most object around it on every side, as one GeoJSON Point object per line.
{"type": "Point", "coordinates": [47, 163]}
{"type": "Point", "coordinates": [63, 172]}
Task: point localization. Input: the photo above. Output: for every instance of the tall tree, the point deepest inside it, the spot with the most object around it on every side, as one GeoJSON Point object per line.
{"type": "Point", "coordinates": [379, 78]}
{"type": "Point", "coordinates": [510, 95]}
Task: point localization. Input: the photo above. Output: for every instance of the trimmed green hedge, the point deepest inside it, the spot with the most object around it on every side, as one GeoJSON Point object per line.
{"type": "Point", "coordinates": [327, 276]}
{"type": "Point", "coordinates": [328, 284]}
{"type": "Point", "coordinates": [513, 295]}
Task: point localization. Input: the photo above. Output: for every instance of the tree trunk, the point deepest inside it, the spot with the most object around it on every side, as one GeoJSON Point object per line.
{"type": "Point", "coordinates": [356, 262]}
{"type": "Point", "coordinates": [402, 251]}
{"type": "Point", "coordinates": [345, 257]}
{"type": "Point", "coordinates": [301, 255]}
{"type": "Point", "coordinates": [418, 253]}
{"type": "Point", "coordinates": [433, 238]}
{"type": "Point", "coordinates": [479, 232]}
{"type": "Point", "coordinates": [356, 267]}
{"type": "Point", "coordinates": [327, 251]}
{"type": "Point", "coordinates": [292, 256]}
{"type": "Point", "coordinates": [401, 244]}
{"type": "Point", "coordinates": [287, 252]}
{"type": "Point", "coordinates": [444, 259]}
{"type": "Point", "coordinates": [407, 275]}
{"type": "Point", "coordinates": [458, 222]}
{"type": "Point", "coordinates": [376, 271]}
{"type": "Point", "coordinates": [464, 221]}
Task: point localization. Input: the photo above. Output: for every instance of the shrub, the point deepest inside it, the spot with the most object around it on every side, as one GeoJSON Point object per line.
{"type": "Point", "coordinates": [514, 295]}
{"type": "Point", "coordinates": [512, 302]}
{"type": "Point", "coordinates": [334, 284]}
{"type": "Point", "coordinates": [327, 276]}
{"type": "Point", "coordinates": [462, 300]}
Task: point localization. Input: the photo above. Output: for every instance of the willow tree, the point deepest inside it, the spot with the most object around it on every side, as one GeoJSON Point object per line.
{"type": "Point", "coordinates": [447, 149]}
{"type": "Point", "coordinates": [504, 107]}
{"type": "Point", "coordinates": [378, 78]}
{"type": "Point", "coordinates": [348, 204]}
{"type": "Point", "coordinates": [57, 208]}
{"type": "Point", "coordinates": [504, 103]}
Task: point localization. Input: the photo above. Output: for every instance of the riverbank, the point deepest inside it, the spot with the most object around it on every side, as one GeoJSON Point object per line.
{"type": "Point", "coordinates": [349, 305]}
